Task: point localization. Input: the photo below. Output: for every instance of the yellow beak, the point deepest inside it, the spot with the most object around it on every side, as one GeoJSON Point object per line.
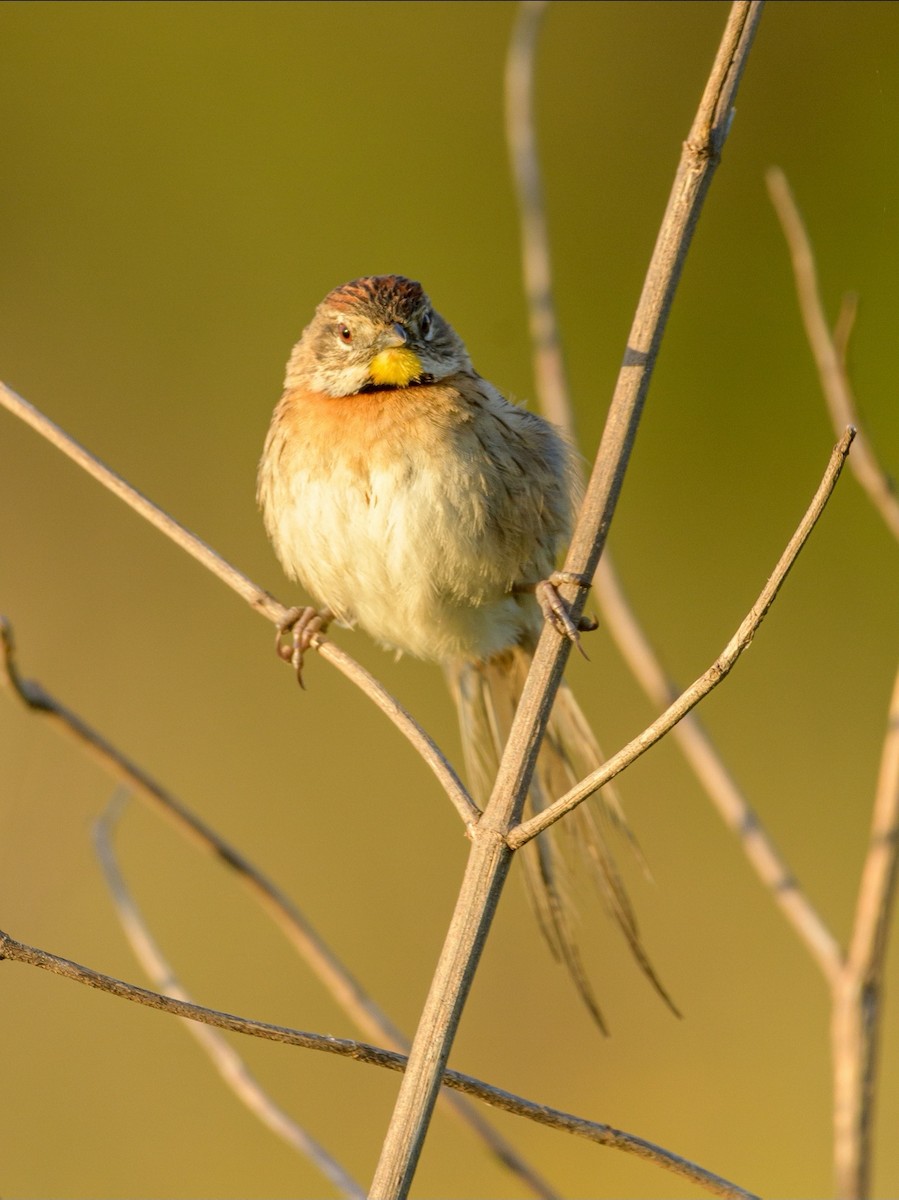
{"type": "Point", "coordinates": [396, 365]}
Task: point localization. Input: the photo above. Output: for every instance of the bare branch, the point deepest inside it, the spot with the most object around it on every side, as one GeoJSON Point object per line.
{"type": "Point", "coordinates": [489, 861]}
{"type": "Point", "coordinates": [231, 1067]}
{"type": "Point", "coordinates": [604, 1135]}
{"type": "Point", "coordinates": [857, 990]}
{"type": "Point", "coordinates": [708, 680]}
{"type": "Point", "coordinates": [857, 996]}
{"type": "Point", "coordinates": [828, 358]}
{"type": "Point", "coordinates": [867, 946]}
{"type": "Point", "coordinates": [701, 754]}
{"type": "Point", "coordinates": [844, 326]}
{"type": "Point", "coordinates": [258, 599]}
{"type": "Point", "coordinates": [300, 933]}
{"type": "Point", "coordinates": [555, 403]}
{"type": "Point", "coordinates": [536, 262]}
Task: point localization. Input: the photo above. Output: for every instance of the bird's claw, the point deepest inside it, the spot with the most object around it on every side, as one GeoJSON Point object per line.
{"type": "Point", "coordinates": [556, 611]}
{"type": "Point", "coordinates": [302, 625]}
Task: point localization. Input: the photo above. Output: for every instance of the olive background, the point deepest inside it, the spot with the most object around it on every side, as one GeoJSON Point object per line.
{"type": "Point", "coordinates": [182, 183]}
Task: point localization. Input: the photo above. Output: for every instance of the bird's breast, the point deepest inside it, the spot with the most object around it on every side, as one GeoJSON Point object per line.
{"type": "Point", "coordinates": [384, 505]}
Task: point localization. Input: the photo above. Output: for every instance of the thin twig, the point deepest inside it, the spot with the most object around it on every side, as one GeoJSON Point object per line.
{"type": "Point", "coordinates": [829, 360]}
{"type": "Point", "coordinates": [720, 785]}
{"type": "Point", "coordinates": [554, 400]}
{"type": "Point", "coordinates": [710, 679]}
{"type": "Point", "coordinates": [856, 992]}
{"type": "Point", "coordinates": [858, 995]}
{"type": "Point", "coordinates": [536, 262]}
{"type": "Point", "coordinates": [231, 1067]}
{"type": "Point", "coordinates": [490, 856]}
{"type": "Point", "coordinates": [258, 599]}
{"type": "Point", "coordinates": [605, 1135]}
{"type": "Point", "coordinates": [843, 327]}
{"type": "Point", "coordinates": [339, 981]}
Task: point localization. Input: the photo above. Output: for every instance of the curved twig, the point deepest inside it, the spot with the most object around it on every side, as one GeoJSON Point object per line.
{"type": "Point", "coordinates": [554, 400]}
{"type": "Point", "coordinates": [722, 789]}
{"type": "Point", "coordinates": [231, 1067]}
{"type": "Point", "coordinates": [828, 358]}
{"type": "Point", "coordinates": [263, 602]}
{"type": "Point", "coordinates": [708, 680]}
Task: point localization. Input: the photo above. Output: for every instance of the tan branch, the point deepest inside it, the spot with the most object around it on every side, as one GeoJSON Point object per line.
{"type": "Point", "coordinates": [858, 994]}
{"type": "Point", "coordinates": [255, 596]}
{"type": "Point", "coordinates": [856, 991]}
{"type": "Point", "coordinates": [829, 359]}
{"type": "Point", "coordinates": [604, 1135]}
{"type": "Point", "coordinates": [231, 1067]}
{"type": "Point", "coordinates": [300, 933]}
{"type": "Point", "coordinates": [536, 261]}
{"type": "Point", "coordinates": [489, 860]}
{"type": "Point", "coordinates": [720, 786]}
{"type": "Point", "coordinates": [618, 616]}
{"type": "Point", "coordinates": [708, 680]}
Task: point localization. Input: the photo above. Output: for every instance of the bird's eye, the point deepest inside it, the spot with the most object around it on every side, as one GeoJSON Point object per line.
{"type": "Point", "coordinates": [345, 333]}
{"type": "Point", "coordinates": [425, 325]}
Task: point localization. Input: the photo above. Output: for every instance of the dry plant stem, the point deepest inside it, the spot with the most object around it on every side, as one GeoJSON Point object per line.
{"type": "Point", "coordinates": [857, 994]}
{"type": "Point", "coordinates": [856, 991]}
{"type": "Point", "coordinates": [603, 1135]}
{"type": "Point", "coordinates": [490, 856]}
{"type": "Point", "coordinates": [555, 403]}
{"type": "Point", "coordinates": [327, 967]}
{"type": "Point", "coordinates": [230, 1066]}
{"type": "Point", "coordinates": [844, 325]}
{"type": "Point", "coordinates": [710, 679]}
{"type": "Point", "coordinates": [699, 751]}
{"type": "Point", "coordinates": [536, 262]}
{"type": "Point", "coordinates": [830, 362]}
{"type": "Point", "coordinates": [255, 596]}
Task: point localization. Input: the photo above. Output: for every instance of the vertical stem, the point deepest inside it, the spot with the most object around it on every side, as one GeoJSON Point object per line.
{"type": "Point", "coordinates": [485, 874]}
{"type": "Point", "coordinates": [489, 860]}
{"type": "Point", "coordinates": [857, 994]}
{"type": "Point", "coordinates": [536, 264]}
{"type": "Point", "coordinates": [854, 1029]}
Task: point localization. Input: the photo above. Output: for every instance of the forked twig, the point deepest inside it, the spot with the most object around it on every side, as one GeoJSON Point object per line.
{"type": "Point", "coordinates": [604, 1135]}
{"type": "Point", "coordinates": [555, 403]}
{"type": "Point", "coordinates": [856, 991]}
{"type": "Point", "coordinates": [710, 679]}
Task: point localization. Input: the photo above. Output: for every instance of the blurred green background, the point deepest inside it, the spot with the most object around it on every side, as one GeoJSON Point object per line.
{"type": "Point", "coordinates": [182, 183]}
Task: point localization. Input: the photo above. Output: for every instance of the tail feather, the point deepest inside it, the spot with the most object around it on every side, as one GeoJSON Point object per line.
{"type": "Point", "coordinates": [486, 696]}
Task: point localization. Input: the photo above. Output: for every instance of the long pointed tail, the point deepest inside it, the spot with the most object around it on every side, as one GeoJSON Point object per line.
{"type": "Point", "coordinates": [486, 696]}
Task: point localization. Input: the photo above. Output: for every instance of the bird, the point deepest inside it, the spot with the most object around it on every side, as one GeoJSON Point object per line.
{"type": "Point", "coordinates": [411, 499]}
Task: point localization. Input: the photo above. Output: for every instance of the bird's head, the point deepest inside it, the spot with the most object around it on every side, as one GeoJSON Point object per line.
{"type": "Point", "coordinates": [372, 334]}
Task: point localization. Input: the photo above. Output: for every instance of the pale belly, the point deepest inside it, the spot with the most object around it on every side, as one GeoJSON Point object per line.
{"type": "Point", "coordinates": [407, 555]}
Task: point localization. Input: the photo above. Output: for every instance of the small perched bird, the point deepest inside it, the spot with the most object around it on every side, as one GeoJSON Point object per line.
{"type": "Point", "coordinates": [410, 498]}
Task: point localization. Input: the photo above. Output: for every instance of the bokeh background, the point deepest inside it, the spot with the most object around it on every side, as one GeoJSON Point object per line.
{"type": "Point", "coordinates": [182, 184]}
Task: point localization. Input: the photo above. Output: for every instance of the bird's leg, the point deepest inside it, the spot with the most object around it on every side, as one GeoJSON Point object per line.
{"type": "Point", "coordinates": [303, 624]}
{"type": "Point", "coordinates": [555, 609]}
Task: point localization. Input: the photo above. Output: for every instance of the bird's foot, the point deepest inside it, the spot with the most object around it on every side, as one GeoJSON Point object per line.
{"type": "Point", "coordinates": [296, 634]}
{"type": "Point", "coordinates": [556, 610]}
